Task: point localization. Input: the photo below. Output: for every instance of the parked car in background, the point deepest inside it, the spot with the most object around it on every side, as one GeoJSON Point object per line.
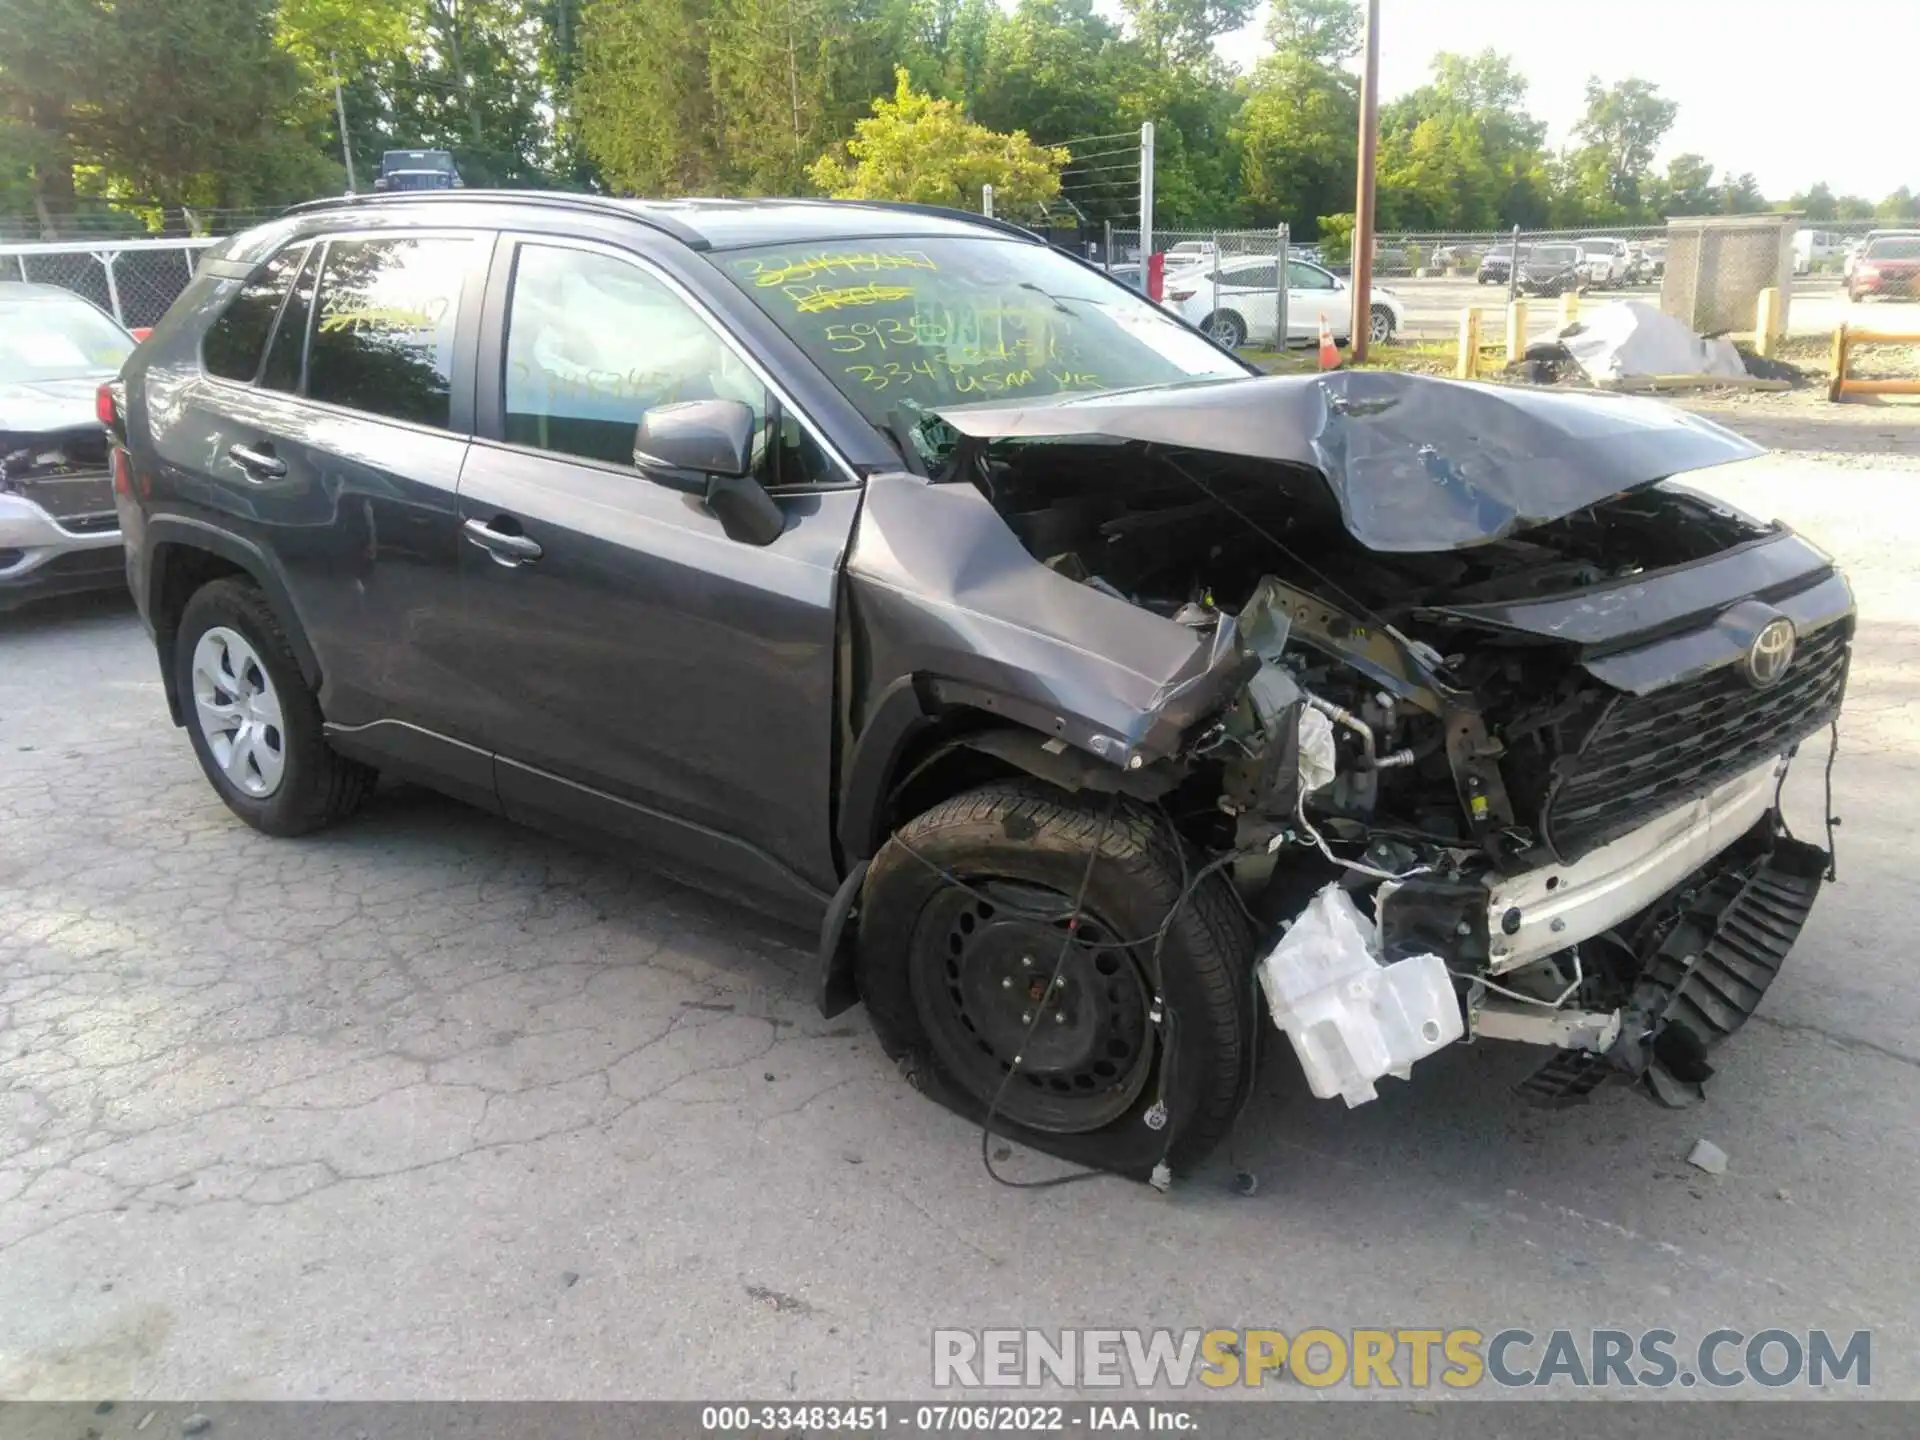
{"type": "Point", "coordinates": [974, 644]}
{"type": "Point", "coordinates": [1553, 269]}
{"type": "Point", "coordinates": [58, 529]}
{"type": "Point", "coordinates": [1496, 266]}
{"type": "Point", "coordinates": [417, 170]}
{"type": "Point", "coordinates": [1243, 307]}
{"type": "Point", "coordinates": [1888, 268]}
{"type": "Point", "coordinates": [1813, 248]}
{"type": "Point", "coordinates": [1605, 258]}
{"type": "Point", "coordinates": [1851, 264]}
{"type": "Point", "coordinates": [1189, 253]}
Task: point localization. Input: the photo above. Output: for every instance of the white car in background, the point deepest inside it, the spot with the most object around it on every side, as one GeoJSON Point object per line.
{"type": "Point", "coordinates": [1604, 258]}
{"type": "Point", "coordinates": [1243, 306]}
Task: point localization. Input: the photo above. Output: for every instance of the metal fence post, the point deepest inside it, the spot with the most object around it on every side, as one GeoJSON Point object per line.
{"type": "Point", "coordinates": [1513, 267]}
{"type": "Point", "coordinates": [1214, 264]}
{"type": "Point", "coordinates": [1282, 331]}
{"type": "Point", "coordinates": [1146, 195]}
{"type": "Point", "coordinates": [1106, 244]}
{"type": "Point", "coordinates": [986, 201]}
{"type": "Point", "coordinates": [107, 259]}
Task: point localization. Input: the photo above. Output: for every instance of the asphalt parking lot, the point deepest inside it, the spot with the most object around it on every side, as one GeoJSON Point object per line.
{"type": "Point", "coordinates": [1433, 307]}
{"type": "Point", "coordinates": [431, 1107]}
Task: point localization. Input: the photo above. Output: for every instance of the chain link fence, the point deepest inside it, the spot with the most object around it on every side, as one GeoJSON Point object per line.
{"type": "Point", "coordinates": [132, 223]}
{"type": "Point", "coordinates": [132, 280]}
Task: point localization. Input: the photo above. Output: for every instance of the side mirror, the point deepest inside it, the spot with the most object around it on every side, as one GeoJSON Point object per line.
{"type": "Point", "coordinates": [705, 448]}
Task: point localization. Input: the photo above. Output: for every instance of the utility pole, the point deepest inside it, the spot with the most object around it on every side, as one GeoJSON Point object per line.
{"type": "Point", "coordinates": [340, 109]}
{"type": "Point", "coordinates": [1146, 199]}
{"type": "Point", "coordinates": [1363, 200]}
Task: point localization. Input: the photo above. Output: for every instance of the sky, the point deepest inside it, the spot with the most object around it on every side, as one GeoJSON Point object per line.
{"type": "Point", "coordinates": [1797, 91]}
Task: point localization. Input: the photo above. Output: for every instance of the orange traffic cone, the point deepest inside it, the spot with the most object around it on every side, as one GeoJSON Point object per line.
{"type": "Point", "coordinates": [1329, 356]}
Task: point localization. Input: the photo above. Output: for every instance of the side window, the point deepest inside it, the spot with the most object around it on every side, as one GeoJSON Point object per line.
{"type": "Point", "coordinates": [289, 347]}
{"type": "Point", "coordinates": [383, 329]}
{"type": "Point", "coordinates": [1306, 277]}
{"type": "Point", "coordinates": [231, 347]}
{"type": "Point", "coordinates": [1251, 277]}
{"type": "Point", "coordinates": [594, 341]}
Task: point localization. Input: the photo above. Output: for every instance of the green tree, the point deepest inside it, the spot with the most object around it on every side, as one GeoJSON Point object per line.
{"type": "Point", "coordinates": [643, 105]}
{"type": "Point", "coordinates": [917, 148]}
{"type": "Point", "coordinates": [1687, 188]}
{"type": "Point", "coordinates": [1740, 195]}
{"type": "Point", "coordinates": [1461, 152]}
{"type": "Point", "coordinates": [1816, 202]}
{"type": "Point", "coordinates": [1902, 204]}
{"type": "Point", "coordinates": [1622, 128]}
{"type": "Point", "coordinates": [1297, 128]}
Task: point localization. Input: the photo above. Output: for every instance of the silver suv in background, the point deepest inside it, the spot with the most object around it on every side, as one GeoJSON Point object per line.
{"type": "Point", "coordinates": [58, 529]}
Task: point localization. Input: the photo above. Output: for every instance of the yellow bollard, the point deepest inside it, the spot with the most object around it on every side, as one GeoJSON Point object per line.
{"type": "Point", "coordinates": [1766, 321]}
{"type": "Point", "coordinates": [1467, 362]}
{"type": "Point", "coordinates": [1516, 330]}
{"type": "Point", "coordinates": [1569, 307]}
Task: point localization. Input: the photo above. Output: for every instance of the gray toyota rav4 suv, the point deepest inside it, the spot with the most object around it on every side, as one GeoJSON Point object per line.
{"type": "Point", "coordinates": [1092, 693]}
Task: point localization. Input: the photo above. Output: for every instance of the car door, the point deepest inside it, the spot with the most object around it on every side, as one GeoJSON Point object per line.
{"type": "Point", "coordinates": [648, 677]}
{"type": "Point", "coordinates": [1250, 288]}
{"type": "Point", "coordinates": [327, 435]}
{"type": "Point", "coordinates": [1311, 294]}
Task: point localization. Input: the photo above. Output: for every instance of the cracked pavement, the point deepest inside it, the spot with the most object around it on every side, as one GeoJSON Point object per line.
{"type": "Point", "coordinates": [428, 1106]}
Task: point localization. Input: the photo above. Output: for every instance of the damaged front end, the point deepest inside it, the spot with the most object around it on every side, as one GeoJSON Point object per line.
{"type": "Point", "coordinates": [1488, 718]}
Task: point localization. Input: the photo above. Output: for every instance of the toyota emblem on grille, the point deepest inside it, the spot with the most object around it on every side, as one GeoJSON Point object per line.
{"type": "Point", "coordinates": [1771, 652]}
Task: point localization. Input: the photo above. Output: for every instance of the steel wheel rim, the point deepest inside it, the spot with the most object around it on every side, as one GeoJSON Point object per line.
{"type": "Point", "coordinates": [1379, 326]}
{"type": "Point", "coordinates": [237, 712]}
{"type": "Point", "coordinates": [1088, 1056]}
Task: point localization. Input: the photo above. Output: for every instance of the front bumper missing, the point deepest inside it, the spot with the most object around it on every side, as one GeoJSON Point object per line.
{"type": "Point", "coordinates": [1545, 910]}
{"type": "Point", "coordinates": [1735, 922]}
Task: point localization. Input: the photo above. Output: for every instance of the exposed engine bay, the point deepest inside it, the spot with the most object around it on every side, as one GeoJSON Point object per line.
{"type": "Point", "coordinates": [1522, 784]}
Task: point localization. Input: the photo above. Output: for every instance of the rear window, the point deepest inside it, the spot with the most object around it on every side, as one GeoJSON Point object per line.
{"type": "Point", "coordinates": [231, 347]}
{"type": "Point", "coordinates": [383, 330]}
{"type": "Point", "coordinates": [1907, 249]}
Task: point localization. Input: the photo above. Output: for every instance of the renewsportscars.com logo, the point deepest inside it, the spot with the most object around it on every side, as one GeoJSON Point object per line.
{"type": "Point", "coordinates": [1391, 1359]}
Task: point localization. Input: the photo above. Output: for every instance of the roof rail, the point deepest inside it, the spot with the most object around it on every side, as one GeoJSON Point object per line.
{"type": "Point", "coordinates": [950, 212]}
{"type": "Point", "coordinates": [558, 199]}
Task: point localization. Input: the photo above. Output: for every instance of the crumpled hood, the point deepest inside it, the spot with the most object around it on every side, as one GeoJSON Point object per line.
{"type": "Point", "coordinates": [31, 407]}
{"type": "Point", "coordinates": [1415, 463]}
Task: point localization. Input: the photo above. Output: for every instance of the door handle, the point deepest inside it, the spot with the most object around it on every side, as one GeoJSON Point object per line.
{"type": "Point", "coordinates": [506, 549]}
{"type": "Point", "coordinates": [263, 464]}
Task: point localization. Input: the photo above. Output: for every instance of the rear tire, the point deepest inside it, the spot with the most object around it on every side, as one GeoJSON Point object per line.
{"type": "Point", "coordinates": [254, 722]}
{"type": "Point", "coordinates": [1225, 328]}
{"type": "Point", "coordinates": [942, 974]}
{"type": "Point", "coordinates": [1379, 325]}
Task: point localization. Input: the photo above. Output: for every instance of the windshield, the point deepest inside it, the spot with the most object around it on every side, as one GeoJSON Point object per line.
{"type": "Point", "coordinates": [1552, 254]}
{"type": "Point", "coordinates": [57, 340]}
{"type": "Point", "coordinates": [930, 323]}
{"type": "Point", "coordinates": [1894, 249]}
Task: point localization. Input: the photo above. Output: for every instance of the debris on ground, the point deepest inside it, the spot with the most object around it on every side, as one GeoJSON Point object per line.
{"type": "Point", "coordinates": [1768, 367]}
{"type": "Point", "coordinates": [195, 1424]}
{"type": "Point", "coordinates": [1629, 339]}
{"type": "Point", "coordinates": [1547, 362]}
{"type": "Point", "coordinates": [1708, 1156]}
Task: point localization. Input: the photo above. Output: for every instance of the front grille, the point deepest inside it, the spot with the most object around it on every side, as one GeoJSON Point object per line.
{"type": "Point", "coordinates": [97, 524]}
{"type": "Point", "coordinates": [1648, 753]}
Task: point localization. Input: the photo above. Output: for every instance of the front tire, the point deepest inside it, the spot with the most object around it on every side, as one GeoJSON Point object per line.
{"type": "Point", "coordinates": [254, 723]}
{"type": "Point", "coordinates": [956, 980]}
